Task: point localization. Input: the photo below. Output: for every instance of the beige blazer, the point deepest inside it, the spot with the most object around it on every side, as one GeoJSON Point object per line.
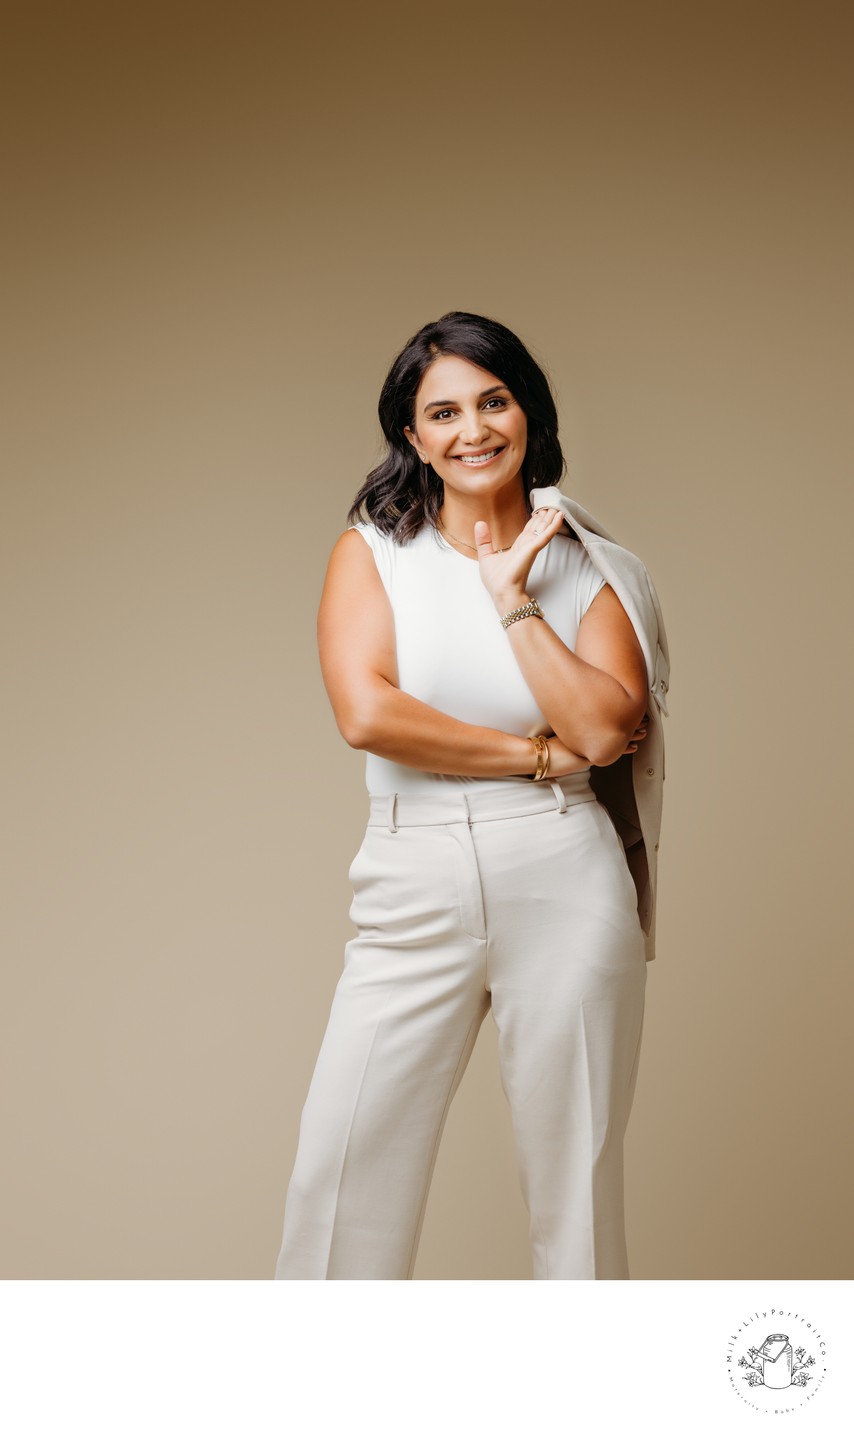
{"type": "Point", "coordinates": [632, 788]}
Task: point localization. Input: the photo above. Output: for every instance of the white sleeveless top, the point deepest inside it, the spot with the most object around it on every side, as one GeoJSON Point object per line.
{"type": "Point", "coordinates": [452, 651]}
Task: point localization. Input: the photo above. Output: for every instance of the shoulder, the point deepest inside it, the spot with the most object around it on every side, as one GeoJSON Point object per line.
{"type": "Point", "coordinates": [355, 546]}
{"type": "Point", "coordinates": [386, 550]}
{"type": "Point", "coordinates": [567, 544]}
{"type": "Point", "coordinates": [362, 555]}
{"type": "Point", "coordinates": [357, 540]}
{"type": "Point", "coordinates": [355, 534]}
{"type": "Point", "coordinates": [571, 556]}
{"type": "Point", "coordinates": [366, 533]}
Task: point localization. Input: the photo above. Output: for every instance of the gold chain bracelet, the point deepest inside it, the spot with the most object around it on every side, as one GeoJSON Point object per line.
{"type": "Point", "coordinates": [543, 757]}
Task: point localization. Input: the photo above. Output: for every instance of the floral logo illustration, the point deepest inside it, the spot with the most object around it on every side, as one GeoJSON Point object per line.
{"type": "Point", "coordinates": [773, 1365]}
{"type": "Point", "coordinates": [776, 1359]}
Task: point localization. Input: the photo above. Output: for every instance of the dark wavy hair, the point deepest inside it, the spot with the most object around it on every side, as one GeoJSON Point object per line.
{"type": "Point", "coordinates": [402, 493]}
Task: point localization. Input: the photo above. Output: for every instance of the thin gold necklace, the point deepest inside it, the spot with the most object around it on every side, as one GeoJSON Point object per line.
{"type": "Point", "coordinates": [469, 546]}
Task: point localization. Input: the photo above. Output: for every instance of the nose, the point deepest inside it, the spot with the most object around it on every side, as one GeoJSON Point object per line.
{"type": "Point", "coordinates": [474, 427]}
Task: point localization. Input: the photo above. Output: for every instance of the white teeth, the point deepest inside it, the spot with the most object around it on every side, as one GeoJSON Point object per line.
{"type": "Point", "coordinates": [478, 459]}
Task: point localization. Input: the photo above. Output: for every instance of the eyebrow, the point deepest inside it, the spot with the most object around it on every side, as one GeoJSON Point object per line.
{"type": "Point", "coordinates": [440, 403]}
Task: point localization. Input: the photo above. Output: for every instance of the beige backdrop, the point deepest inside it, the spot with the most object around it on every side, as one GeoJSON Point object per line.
{"type": "Point", "coordinates": [223, 224]}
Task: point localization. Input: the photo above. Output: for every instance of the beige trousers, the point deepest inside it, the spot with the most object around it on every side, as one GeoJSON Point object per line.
{"type": "Point", "coordinates": [517, 900]}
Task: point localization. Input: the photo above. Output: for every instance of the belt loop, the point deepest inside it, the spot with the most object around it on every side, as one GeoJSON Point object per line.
{"type": "Point", "coordinates": [392, 800]}
{"type": "Point", "coordinates": [559, 795]}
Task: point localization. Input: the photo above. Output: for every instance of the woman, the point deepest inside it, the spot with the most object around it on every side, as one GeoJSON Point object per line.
{"type": "Point", "coordinates": [472, 649]}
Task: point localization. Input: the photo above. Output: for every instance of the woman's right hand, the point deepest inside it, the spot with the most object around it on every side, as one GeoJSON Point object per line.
{"type": "Point", "coordinates": [562, 760]}
{"type": "Point", "coordinates": [638, 736]}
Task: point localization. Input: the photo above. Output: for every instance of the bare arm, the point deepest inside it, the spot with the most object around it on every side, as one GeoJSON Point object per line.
{"type": "Point", "coordinates": [593, 696]}
{"type": "Point", "coordinates": [356, 642]}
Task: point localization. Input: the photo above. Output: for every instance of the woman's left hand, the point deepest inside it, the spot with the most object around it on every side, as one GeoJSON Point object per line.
{"type": "Point", "coordinates": [505, 575]}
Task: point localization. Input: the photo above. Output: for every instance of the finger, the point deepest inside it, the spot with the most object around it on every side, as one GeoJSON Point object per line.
{"type": "Point", "coordinates": [482, 537]}
{"type": "Point", "coordinates": [545, 519]}
{"type": "Point", "coordinates": [548, 515]}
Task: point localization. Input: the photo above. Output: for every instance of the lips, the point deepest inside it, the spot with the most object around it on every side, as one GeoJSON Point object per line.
{"type": "Point", "coordinates": [461, 459]}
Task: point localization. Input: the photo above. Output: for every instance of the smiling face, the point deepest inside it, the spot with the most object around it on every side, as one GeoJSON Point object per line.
{"type": "Point", "coordinates": [461, 412]}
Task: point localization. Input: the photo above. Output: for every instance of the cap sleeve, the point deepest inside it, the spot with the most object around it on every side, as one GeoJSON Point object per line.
{"type": "Point", "coordinates": [589, 581]}
{"type": "Point", "coordinates": [382, 549]}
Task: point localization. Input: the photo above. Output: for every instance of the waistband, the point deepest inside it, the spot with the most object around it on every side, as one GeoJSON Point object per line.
{"type": "Point", "coordinates": [405, 810]}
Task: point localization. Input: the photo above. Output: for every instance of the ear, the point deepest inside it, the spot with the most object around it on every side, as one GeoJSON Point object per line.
{"type": "Point", "coordinates": [414, 441]}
